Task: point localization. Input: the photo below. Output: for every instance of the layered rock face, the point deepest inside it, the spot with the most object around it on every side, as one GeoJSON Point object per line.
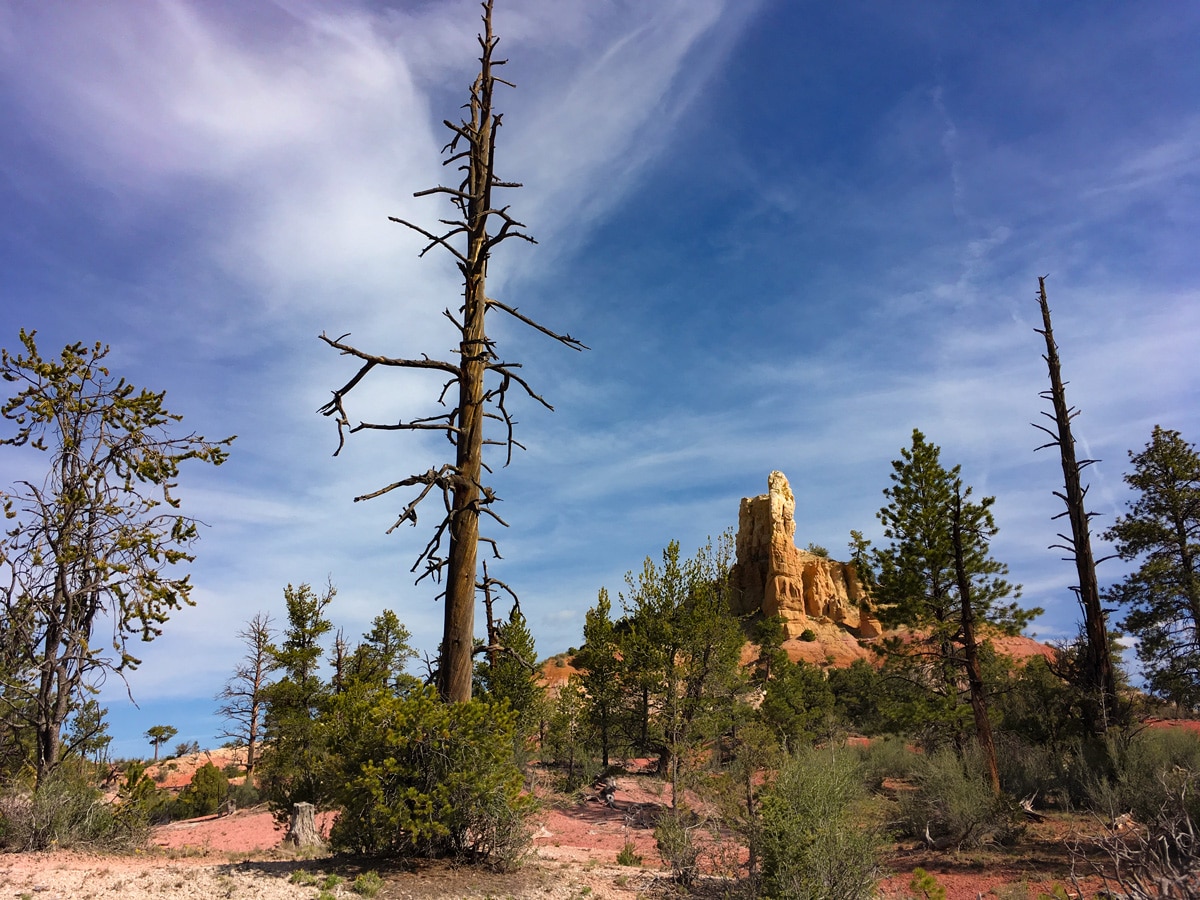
{"type": "Point", "coordinates": [810, 592]}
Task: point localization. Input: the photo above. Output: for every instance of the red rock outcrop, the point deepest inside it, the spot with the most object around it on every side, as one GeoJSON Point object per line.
{"type": "Point", "coordinates": [811, 592]}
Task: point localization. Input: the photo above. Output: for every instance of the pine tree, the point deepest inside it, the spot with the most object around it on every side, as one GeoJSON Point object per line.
{"type": "Point", "coordinates": [383, 655]}
{"type": "Point", "coordinates": [511, 674]}
{"type": "Point", "coordinates": [937, 577]}
{"type": "Point", "coordinates": [680, 645]}
{"type": "Point", "coordinates": [1162, 530]}
{"type": "Point", "coordinates": [242, 697]}
{"type": "Point", "coordinates": [797, 704]}
{"type": "Point", "coordinates": [158, 735]}
{"type": "Point", "coordinates": [600, 678]}
{"type": "Point", "coordinates": [87, 734]}
{"type": "Point", "coordinates": [291, 767]}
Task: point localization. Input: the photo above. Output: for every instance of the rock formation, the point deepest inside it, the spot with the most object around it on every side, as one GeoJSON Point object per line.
{"type": "Point", "coordinates": [811, 592]}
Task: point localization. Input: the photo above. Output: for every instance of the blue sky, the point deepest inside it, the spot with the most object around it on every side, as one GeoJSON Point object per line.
{"type": "Point", "coordinates": [790, 233]}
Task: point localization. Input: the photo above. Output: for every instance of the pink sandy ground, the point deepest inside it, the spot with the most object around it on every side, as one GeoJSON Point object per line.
{"type": "Point", "coordinates": [589, 835]}
{"type": "Point", "coordinates": [575, 846]}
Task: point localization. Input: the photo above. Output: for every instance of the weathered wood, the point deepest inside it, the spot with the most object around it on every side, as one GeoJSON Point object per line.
{"type": "Point", "coordinates": [302, 827]}
{"type": "Point", "coordinates": [1098, 676]}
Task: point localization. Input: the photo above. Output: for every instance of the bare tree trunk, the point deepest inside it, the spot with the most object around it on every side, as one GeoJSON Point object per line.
{"type": "Point", "coordinates": [458, 638]}
{"type": "Point", "coordinates": [1099, 680]}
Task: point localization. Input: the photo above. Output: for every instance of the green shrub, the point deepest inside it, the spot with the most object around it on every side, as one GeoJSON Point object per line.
{"type": "Point", "coordinates": [925, 886]}
{"type": "Point", "coordinates": [204, 794]}
{"type": "Point", "coordinates": [675, 837]}
{"type": "Point", "coordinates": [1028, 769]}
{"type": "Point", "coordinates": [953, 803]}
{"type": "Point", "coordinates": [244, 794]}
{"type": "Point", "coordinates": [887, 757]}
{"type": "Point", "coordinates": [1140, 764]}
{"type": "Point", "coordinates": [628, 856]}
{"type": "Point", "coordinates": [1158, 859]}
{"type": "Point", "coordinates": [140, 803]}
{"type": "Point", "coordinates": [818, 842]}
{"type": "Point", "coordinates": [415, 776]}
{"type": "Point", "coordinates": [368, 884]}
{"type": "Point", "coordinates": [65, 811]}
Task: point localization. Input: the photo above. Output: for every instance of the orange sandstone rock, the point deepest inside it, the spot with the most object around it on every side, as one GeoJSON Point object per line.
{"type": "Point", "coordinates": [812, 593]}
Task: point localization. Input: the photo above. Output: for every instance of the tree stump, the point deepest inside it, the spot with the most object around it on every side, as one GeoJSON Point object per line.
{"type": "Point", "coordinates": [302, 827]}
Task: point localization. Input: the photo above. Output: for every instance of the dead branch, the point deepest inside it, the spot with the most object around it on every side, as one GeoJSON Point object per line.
{"type": "Point", "coordinates": [573, 343]}
{"type": "Point", "coordinates": [1160, 861]}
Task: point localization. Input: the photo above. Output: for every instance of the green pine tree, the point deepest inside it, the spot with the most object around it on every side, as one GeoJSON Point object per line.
{"type": "Point", "coordinates": [936, 577]}
{"type": "Point", "coordinates": [383, 655]}
{"type": "Point", "coordinates": [291, 768]}
{"type": "Point", "coordinates": [1162, 531]}
{"type": "Point", "coordinates": [600, 677]}
{"type": "Point", "coordinates": [510, 674]}
{"type": "Point", "coordinates": [680, 646]}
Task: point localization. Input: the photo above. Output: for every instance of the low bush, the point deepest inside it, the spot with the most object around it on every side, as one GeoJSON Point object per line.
{"type": "Point", "coordinates": [628, 856]}
{"type": "Point", "coordinates": [1139, 764]}
{"type": "Point", "coordinates": [1159, 861]}
{"type": "Point", "coordinates": [67, 811]}
{"type": "Point", "coordinates": [244, 794]}
{"type": "Point", "coordinates": [418, 777]}
{"type": "Point", "coordinates": [819, 842]}
{"type": "Point", "coordinates": [1033, 770]}
{"type": "Point", "coordinates": [63, 812]}
{"type": "Point", "coordinates": [924, 886]}
{"type": "Point", "coordinates": [140, 803]}
{"type": "Point", "coordinates": [953, 804]}
{"type": "Point", "coordinates": [887, 757]}
{"type": "Point", "coordinates": [675, 837]}
{"type": "Point", "coordinates": [368, 884]}
{"type": "Point", "coordinates": [204, 794]}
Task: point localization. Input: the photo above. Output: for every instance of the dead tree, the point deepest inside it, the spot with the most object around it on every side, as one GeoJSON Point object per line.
{"type": "Point", "coordinates": [243, 696]}
{"type": "Point", "coordinates": [478, 379]}
{"type": "Point", "coordinates": [1098, 678]}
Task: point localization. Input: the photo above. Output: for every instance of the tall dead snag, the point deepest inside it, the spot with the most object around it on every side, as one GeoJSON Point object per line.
{"type": "Point", "coordinates": [1099, 680]}
{"type": "Point", "coordinates": [481, 377]}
